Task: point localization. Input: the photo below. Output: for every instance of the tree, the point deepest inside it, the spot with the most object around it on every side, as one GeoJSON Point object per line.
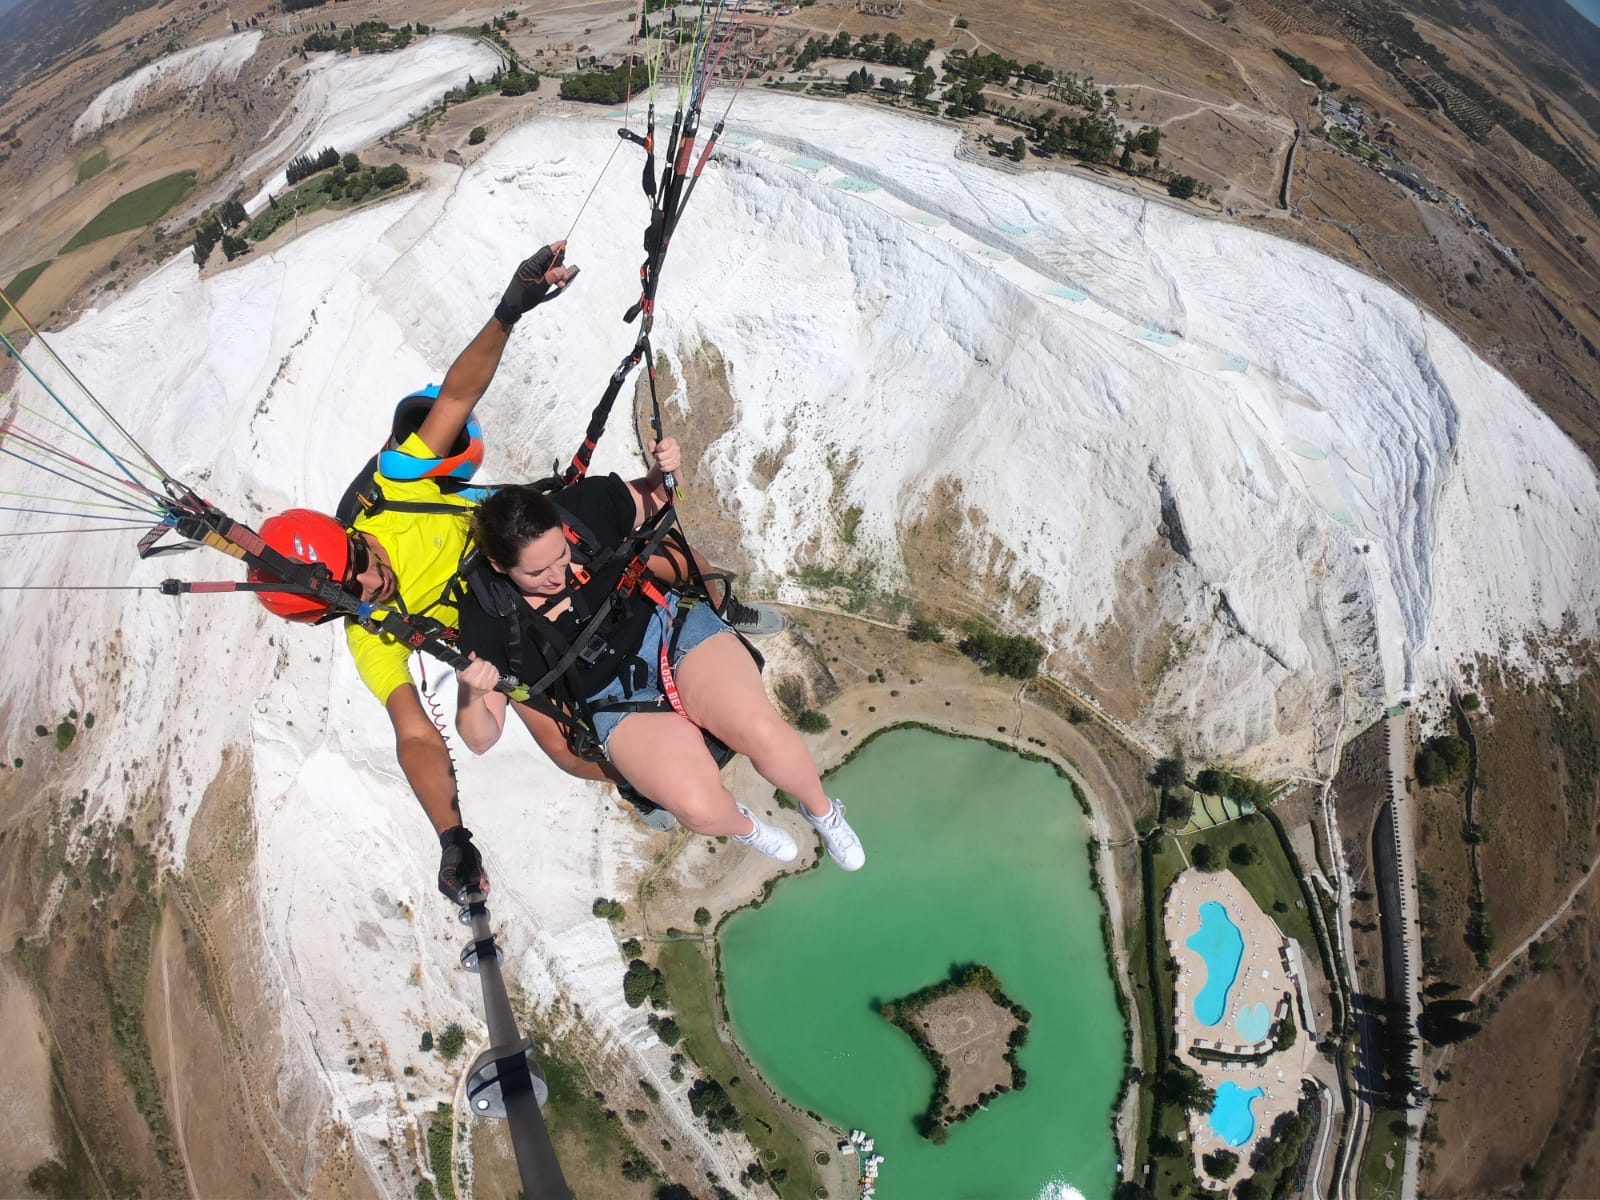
{"type": "Point", "coordinates": [1212, 781]}
{"type": "Point", "coordinates": [702, 916]}
{"type": "Point", "coordinates": [1183, 187]}
{"type": "Point", "coordinates": [667, 1030]}
{"type": "Point", "coordinates": [1440, 1024]}
{"type": "Point", "coordinates": [637, 982]}
{"type": "Point", "coordinates": [1244, 854]}
{"type": "Point", "coordinates": [708, 1100]}
{"type": "Point", "coordinates": [1169, 772]}
{"type": "Point", "coordinates": [351, 163]}
{"type": "Point", "coordinates": [1431, 770]}
{"type": "Point", "coordinates": [1454, 753]}
{"type": "Point", "coordinates": [1183, 1087]}
{"type": "Point", "coordinates": [1146, 141]}
{"type": "Point", "coordinates": [923, 630]}
{"type": "Point", "coordinates": [233, 247]}
{"type": "Point", "coordinates": [1220, 1164]}
{"type": "Point", "coordinates": [477, 135]}
{"type": "Point", "coordinates": [1019, 147]}
{"type": "Point", "coordinates": [1019, 657]}
{"type": "Point", "coordinates": [812, 721]}
{"type": "Point", "coordinates": [858, 81]}
{"type": "Point", "coordinates": [514, 83]}
{"type": "Point", "coordinates": [390, 176]}
{"type": "Point", "coordinates": [1206, 858]}
{"type": "Point", "coordinates": [452, 1041]}
{"type": "Point", "coordinates": [1471, 702]}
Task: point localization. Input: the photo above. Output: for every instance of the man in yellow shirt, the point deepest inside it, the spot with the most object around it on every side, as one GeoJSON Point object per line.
{"type": "Point", "coordinates": [403, 555]}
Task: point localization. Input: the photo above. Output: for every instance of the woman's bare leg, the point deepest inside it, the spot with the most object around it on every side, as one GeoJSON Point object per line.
{"type": "Point", "coordinates": [721, 690]}
{"type": "Point", "coordinates": [665, 757]}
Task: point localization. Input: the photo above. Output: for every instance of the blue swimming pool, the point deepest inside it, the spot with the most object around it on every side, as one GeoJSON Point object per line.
{"type": "Point", "coordinates": [1252, 1021]}
{"type": "Point", "coordinates": [1220, 943]}
{"type": "Point", "coordinates": [1231, 1118]}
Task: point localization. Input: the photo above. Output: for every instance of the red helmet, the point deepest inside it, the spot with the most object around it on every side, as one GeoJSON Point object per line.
{"type": "Point", "coordinates": [309, 537]}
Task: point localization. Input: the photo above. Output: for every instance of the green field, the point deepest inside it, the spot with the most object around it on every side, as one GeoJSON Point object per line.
{"type": "Point", "coordinates": [1385, 1162]}
{"type": "Point", "coordinates": [137, 209]}
{"type": "Point", "coordinates": [94, 164]}
{"type": "Point", "coordinates": [25, 279]}
{"type": "Point", "coordinates": [1270, 881]}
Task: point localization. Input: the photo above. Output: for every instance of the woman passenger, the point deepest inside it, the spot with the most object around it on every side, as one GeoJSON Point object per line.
{"type": "Point", "coordinates": [522, 533]}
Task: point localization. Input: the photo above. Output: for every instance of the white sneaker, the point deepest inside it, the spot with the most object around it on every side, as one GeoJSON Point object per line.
{"type": "Point", "coordinates": [844, 847]}
{"type": "Point", "coordinates": [769, 839]}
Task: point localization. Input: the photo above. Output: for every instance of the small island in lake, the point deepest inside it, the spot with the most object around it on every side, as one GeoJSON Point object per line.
{"type": "Point", "coordinates": [969, 1030]}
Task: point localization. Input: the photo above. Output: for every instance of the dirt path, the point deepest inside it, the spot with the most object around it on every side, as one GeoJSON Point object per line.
{"type": "Point", "coordinates": [174, 1087]}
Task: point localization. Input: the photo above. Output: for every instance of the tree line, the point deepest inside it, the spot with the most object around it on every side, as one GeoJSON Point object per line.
{"type": "Point", "coordinates": [302, 166]}
{"type": "Point", "coordinates": [216, 226]}
{"type": "Point", "coordinates": [364, 37]}
{"type": "Point", "coordinates": [1012, 655]}
{"type": "Point", "coordinates": [892, 50]}
{"type": "Point", "coordinates": [601, 87]}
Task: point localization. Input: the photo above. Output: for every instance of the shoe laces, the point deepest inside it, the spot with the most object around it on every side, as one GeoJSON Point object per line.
{"type": "Point", "coordinates": [762, 834]}
{"type": "Point", "coordinates": [833, 822]}
{"type": "Point", "coordinates": [735, 613]}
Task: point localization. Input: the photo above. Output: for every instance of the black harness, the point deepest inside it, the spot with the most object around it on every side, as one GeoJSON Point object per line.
{"type": "Point", "coordinates": [559, 692]}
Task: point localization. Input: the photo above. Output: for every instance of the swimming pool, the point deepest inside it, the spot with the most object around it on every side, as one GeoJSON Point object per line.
{"type": "Point", "coordinates": [1220, 943]}
{"type": "Point", "coordinates": [1231, 1118]}
{"type": "Point", "coordinates": [1253, 1022]}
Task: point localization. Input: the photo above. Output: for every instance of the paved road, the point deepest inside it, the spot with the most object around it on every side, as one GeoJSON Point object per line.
{"type": "Point", "coordinates": [1398, 743]}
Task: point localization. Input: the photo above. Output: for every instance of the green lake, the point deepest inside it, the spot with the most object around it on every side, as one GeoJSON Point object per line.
{"type": "Point", "coordinates": [973, 855]}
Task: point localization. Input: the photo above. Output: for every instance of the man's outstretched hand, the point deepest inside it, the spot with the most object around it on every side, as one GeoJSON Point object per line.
{"type": "Point", "coordinates": [540, 278]}
{"type": "Point", "coordinates": [460, 865]}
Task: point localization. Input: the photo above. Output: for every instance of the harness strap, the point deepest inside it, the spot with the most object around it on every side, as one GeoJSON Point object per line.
{"type": "Point", "coordinates": [669, 685]}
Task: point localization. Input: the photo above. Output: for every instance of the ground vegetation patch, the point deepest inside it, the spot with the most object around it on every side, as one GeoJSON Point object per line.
{"type": "Point", "coordinates": [137, 209]}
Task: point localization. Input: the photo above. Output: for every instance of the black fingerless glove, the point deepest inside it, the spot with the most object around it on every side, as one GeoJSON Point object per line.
{"type": "Point", "coordinates": [460, 866]}
{"type": "Point", "coordinates": [528, 287]}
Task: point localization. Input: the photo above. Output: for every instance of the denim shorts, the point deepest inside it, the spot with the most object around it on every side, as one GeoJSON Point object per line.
{"type": "Point", "coordinates": [701, 623]}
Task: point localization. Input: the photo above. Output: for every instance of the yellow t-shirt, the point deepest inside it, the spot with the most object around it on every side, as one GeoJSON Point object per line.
{"type": "Point", "coordinates": [425, 549]}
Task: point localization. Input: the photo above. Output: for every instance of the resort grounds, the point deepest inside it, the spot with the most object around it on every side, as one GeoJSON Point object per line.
{"type": "Point", "coordinates": [1233, 991]}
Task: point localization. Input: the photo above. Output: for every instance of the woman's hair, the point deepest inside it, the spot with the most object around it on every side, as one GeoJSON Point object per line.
{"type": "Point", "coordinates": [511, 518]}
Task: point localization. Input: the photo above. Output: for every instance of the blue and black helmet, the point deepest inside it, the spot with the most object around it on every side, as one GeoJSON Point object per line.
{"type": "Point", "coordinates": [462, 461]}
